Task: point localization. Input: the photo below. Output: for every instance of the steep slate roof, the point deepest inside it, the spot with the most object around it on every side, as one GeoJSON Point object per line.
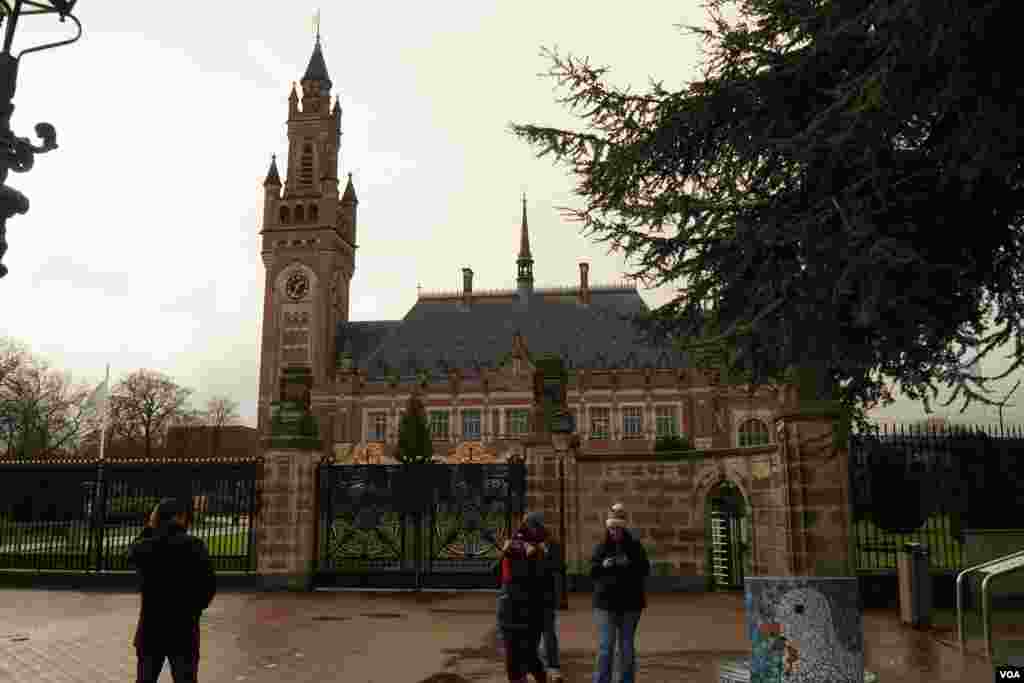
{"type": "Point", "coordinates": [438, 334]}
{"type": "Point", "coordinates": [363, 337]}
{"type": "Point", "coordinates": [317, 68]}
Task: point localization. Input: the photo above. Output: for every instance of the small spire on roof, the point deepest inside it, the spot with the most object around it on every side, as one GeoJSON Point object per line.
{"type": "Point", "coordinates": [350, 192]}
{"type": "Point", "coordinates": [273, 178]}
{"type": "Point", "coordinates": [524, 234]}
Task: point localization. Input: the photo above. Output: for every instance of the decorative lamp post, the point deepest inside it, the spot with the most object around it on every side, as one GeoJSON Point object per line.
{"type": "Point", "coordinates": [559, 423]}
{"type": "Point", "coordinates": [562, 437]}
{"type": "Point", "coordinates": [18, 154]}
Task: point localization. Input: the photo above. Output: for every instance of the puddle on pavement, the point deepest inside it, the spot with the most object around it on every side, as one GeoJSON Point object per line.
{"type": "Point", "coordinates": [445, 678]}
{"type": "Point", "coordinates": [440, 610]}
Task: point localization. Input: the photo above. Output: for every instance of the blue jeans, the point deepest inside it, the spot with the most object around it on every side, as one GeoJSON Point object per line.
{"type": "Point", "coordinates": [549, 643]}
{"type": "Point", "coordinates": [615, 627]}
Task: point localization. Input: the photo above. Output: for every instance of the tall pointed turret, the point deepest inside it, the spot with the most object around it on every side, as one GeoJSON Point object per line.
{"type": "Point", "coordinates": [317, 68]}
{"type": "Point", "coordinates": [308, 234]}
{"type": "Point", "coordinates": [273, 177]}
{"type": "Point", "coordinates": [524, 263]}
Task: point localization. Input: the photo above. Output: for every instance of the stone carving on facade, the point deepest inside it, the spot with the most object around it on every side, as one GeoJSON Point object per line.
{"type": "Point", "coordinates": [719, 414]}
{"type": "Point", "coordinates": [337, 293]}
{"type": "Point", "coordinates": [370, 454]}
{"type": "Point", "coordinates": [470, 452]}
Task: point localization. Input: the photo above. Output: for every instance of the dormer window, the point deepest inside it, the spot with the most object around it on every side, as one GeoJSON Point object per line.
{"type": "Point", "coordinates": [299, 215]}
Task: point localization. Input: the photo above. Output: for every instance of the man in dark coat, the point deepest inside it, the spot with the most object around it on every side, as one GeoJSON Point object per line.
{"type": "Point", "coordinates": [526, 590]}
{"type": "Point", "coordinates": [619, 568]}
{"type": "Point", "coordinates": [553, 580]}
{"type": "Point", "coordinates": [178, 583]}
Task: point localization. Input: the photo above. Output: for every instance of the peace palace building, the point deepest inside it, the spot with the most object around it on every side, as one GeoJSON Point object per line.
{"type": "Point", "coordinates": [467, 352]}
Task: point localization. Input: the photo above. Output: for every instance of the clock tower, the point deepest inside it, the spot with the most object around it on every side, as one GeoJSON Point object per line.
{"type": "Point", "coordinates": [309, 234]}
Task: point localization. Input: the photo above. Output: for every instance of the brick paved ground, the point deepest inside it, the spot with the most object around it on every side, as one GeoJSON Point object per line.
{"type": "Point", "coordinates": [66, 637]}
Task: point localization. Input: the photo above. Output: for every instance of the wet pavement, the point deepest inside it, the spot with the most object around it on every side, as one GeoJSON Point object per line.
{"type": "Point", "coordinates": [66, 636]}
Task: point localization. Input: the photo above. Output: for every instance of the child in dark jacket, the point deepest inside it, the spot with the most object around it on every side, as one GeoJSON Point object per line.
{"type": "Point", "coordinates": [526, 586]}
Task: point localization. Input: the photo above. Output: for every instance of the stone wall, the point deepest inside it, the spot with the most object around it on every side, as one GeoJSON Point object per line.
{"type": "Point", "coordinates": [796, 493]}
{"type": "Point", "coordinates": [665, 501]}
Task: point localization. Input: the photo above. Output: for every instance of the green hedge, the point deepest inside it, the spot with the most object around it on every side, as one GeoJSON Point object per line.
{"type": "Point", "coordinates": [132, 504]}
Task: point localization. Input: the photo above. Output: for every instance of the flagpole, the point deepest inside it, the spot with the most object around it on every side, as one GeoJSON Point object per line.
{"type": "Point", "coordinates": [103, 422]}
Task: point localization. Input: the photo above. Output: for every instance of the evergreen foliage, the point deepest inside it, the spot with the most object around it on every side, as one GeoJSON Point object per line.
{"type": "Point", "coordinates": [414, 443]}
{"type": "Point", "coordinates": [811, 196]}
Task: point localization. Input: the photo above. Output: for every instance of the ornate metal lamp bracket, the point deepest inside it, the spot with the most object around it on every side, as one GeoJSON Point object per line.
{"type": "Point", "coordinates": [18, 154]}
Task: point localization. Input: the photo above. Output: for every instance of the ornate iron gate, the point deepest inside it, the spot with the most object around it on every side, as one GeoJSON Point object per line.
{"type": "Point", "coordinates": [416, 526]}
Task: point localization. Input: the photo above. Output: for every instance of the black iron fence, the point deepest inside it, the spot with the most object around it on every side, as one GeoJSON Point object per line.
{"type": "Point", "coordinates": [416, 526]}
{"type": "Point", "coordinates": [928, 486]}
{"type": "Point", "coordinates": [82, 516]}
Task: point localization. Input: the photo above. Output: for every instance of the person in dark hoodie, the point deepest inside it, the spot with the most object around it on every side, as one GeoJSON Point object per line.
{"type": "Point", "coordinates": [178, 583]}
{"type": "Point", "coordinates": [526, 590]}
{"type": "Point", "coordinates": [619, 568]}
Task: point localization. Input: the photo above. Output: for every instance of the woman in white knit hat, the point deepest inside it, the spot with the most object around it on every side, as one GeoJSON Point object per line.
{"type": "Point", "coordinates": [619, 568]}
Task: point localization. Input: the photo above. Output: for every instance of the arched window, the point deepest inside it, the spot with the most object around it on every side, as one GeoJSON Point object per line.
{"type": "Point", "coordinates": [754, 432]}
{"type": "Point", "coordinates": [285, 215]}
{"type": "Point", "coordinates": [306, 165]}
{"type": "Point", "coordinates": [313, 213]}
{"type": "Point", "coordinates": [299, 216]}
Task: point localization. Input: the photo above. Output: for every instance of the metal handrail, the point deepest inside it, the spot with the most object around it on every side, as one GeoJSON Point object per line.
{"type": "Point", "coordinates": [986, 611]}
{"type": "Point", "coordinates": [961, 618]}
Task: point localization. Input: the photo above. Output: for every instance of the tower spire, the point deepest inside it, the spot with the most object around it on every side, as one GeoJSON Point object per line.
{"type": "Point", "coordinates": [524, 263]}
{"type": "Point", "coordinates": [317, 68]}
{"type": "Point", "coordinates": [524, 235]}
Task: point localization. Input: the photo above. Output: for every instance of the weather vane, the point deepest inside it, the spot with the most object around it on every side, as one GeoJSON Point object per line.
{"type": "Point", "coordinates": [316, 25]}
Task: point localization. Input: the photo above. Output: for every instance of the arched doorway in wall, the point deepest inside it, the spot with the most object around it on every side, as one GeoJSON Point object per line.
{"type": "Point", "coordinates": [727, 537]}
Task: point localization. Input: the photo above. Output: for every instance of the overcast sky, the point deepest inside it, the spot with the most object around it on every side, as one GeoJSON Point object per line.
{"type": "Point", "coordinates": [141, 247]}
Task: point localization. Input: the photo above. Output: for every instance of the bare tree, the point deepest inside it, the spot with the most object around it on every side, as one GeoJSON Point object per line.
{"type": "Point", "coordinates": [13, 354]}
{"type": "Point", "coordinates": [42, 413]}
{"type": "Point", "coordinates": [221, 411]}
{"type": "Point", "coordinates": [143, 405]}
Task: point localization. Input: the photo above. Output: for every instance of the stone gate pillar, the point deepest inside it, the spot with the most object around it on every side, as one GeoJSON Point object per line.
{"type": "Point", "coordinates": [286, 543]}
{"type": "Point", "coordinates": [814, 486]}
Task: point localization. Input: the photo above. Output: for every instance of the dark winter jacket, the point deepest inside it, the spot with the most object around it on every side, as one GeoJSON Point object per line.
{"type": "Point", "coordinates": [555, 561]}
{"type": "Point", "coordinates": [527, 587]}
{"type": "Point", "coordinates": [178, 583]}
{"type": "Point", "coordinates": [620, 588]}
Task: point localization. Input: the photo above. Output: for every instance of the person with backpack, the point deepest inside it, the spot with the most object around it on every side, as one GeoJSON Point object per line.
{"type": "Point", "coordinates": [524, 593]}
{"type": "Point", "coordinates": [178, 583]}
{"type": "Point", "coordinates": [619, 568]}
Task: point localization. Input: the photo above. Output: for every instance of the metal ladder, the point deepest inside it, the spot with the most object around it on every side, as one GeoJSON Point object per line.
{"type": "Point", "coordinates": [991, 569]}
{"type": "Point", "coordinates": [721, 550]}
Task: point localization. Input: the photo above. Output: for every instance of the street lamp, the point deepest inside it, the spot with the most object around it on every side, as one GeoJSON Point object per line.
{"type": "Point", "coordinates": [18, 154]}
{"type": "Point", "coordinates": [562, 429]}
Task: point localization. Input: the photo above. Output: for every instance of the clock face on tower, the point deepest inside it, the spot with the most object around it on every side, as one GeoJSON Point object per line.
{"type": "Point", "coordinates": [297, 286]}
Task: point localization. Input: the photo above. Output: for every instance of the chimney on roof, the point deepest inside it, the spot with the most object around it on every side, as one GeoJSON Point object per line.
{"type": "Point", "coordinates": [467, 286]}
{"type": "Point", "coordinates": [584, 284]}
